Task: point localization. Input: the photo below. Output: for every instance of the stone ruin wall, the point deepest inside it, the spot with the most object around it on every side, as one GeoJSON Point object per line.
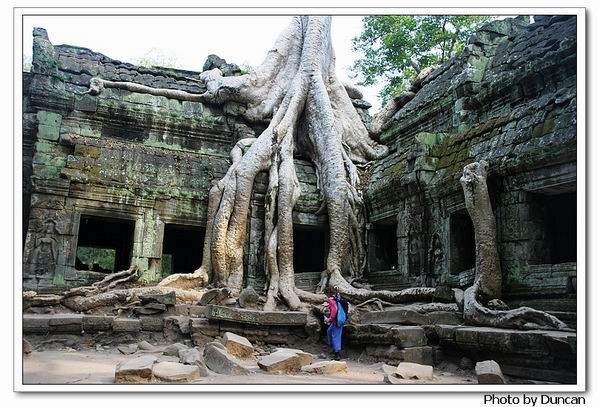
{"type": "Point", "coordinates": [144, 159]}
{"type": "Point", "coordinates": [509, 99]}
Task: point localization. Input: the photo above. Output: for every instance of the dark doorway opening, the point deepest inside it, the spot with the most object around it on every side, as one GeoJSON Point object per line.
{"type": "Point", "coordinates": [560, 227]}
{"type": "Point", "coordinates": [104, 244]}
{"type": "Point", "coordinates": [382, 250]}
{"type": "Point", "coordinates": [182, 248]}
{"type": "Point", "coordinates": [462, 246]}
{"type": "Point", "coordinates": [309, 249]}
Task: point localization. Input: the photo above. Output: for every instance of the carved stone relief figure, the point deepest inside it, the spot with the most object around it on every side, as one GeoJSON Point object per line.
{"type": "Point", "coordinates": [435, 259]}
{"type": "Point", "coordinates": [44, 252]}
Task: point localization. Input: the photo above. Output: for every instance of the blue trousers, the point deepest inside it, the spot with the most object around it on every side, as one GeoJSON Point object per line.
{"type": "Point", "coordinates": [334, 337]}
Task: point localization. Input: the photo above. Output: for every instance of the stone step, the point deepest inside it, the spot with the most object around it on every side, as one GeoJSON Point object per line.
{"type": "Point", "coordinates": [254, 317]}
{"type": "Point", "coordinates": [391, 354]}
{"type": "Point", "coordinates": [78, 323]}
{"type": "Point", "coordinates": [411, 317]}
{"type": "Point", "coordinates": [204, 330]}
{"type": "Point", "coordinates": [385, 334]}
{"type": "Point", "coordinates": [534, 354]}
{"type": "Point", "coordinates": [512, 341]}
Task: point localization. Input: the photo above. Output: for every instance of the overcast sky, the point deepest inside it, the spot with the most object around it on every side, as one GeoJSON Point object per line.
{"type": "Point", "coordinates": [189, 39]}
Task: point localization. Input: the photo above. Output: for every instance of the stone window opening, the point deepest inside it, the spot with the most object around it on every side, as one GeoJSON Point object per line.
{"type": "Point", "coordinates": [462, 249]}
{"type": "Point", "coordinates": [382, 245]}
{"type": "Point", "coordinates": [309, 249]}
{"type": "Point", "coordinates": [558, 220]}
{"type": "Point", "coordinates": [104, 244]}
{"type": "Point", "coordinates": [182, 248]}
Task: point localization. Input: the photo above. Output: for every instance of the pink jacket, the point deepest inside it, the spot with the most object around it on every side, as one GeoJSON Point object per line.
{"type": "Point", "coordinates": [332, 308]}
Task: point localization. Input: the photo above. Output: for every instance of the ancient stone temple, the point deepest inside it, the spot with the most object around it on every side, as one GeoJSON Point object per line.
{"type": "Point", "coordinates": [128, 174]}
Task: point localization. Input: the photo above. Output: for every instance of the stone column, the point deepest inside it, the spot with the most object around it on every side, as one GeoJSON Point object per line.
{"type": "Point", "coordinates": [147, 246]}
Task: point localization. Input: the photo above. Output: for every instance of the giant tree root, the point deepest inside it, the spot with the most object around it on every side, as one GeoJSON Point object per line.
{"type": "Point", "coordinates": [358, 295]}
{"type": "Point", "coordinates": [488, 279]}
{"type": "Point", "coordinates": [110, 282]}
{"type": "Point", "coordinates": [520, 318]}
{"type": "Point", "coordinates": [80, 303]}
{"type": "Point", "coordinates": [197, 279]}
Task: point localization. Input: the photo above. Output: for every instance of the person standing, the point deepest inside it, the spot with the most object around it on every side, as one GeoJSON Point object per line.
{"type": "Point", "coordinates": [335, 330]}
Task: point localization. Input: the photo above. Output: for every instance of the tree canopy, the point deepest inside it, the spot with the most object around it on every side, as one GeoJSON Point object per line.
{"type": "Point", "coordinates": [395, 48]}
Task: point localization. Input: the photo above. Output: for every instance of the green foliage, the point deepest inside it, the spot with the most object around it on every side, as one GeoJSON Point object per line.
{"type": "Point", "coordinates": [91, 255]}
{"type": "Point", "coordinates": [246, 68]}
{"type": "Point", "coordinates": [395, 48]}
{"type": "Point", "coordinates": [157, 58]}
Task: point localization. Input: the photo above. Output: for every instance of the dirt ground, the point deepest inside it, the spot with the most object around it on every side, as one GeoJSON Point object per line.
{"type": "Point", "coordinates": [66, 366]}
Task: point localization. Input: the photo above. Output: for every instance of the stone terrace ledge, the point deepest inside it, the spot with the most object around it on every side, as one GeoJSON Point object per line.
{"type": "Point", "coordinates": [254, 317]}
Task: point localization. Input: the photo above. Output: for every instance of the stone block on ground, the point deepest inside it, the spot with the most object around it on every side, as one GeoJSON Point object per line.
{"type": "Point", "coordinates": [220, 361]}
{"type": "Point", "coordinates": [137, 370]}
{"type": "Point", "coordinates": [326, 367]}
{"type": "Point", "coordinates": [214, 296]}
{"type": "Point", "coordinates": [305, 358]}
{"type": "Point", "coordinates": [168, 298]}
{"type": "Point", "coordinates": [203, 330]}
{"type": "Point", "coordinates": [408, 336]}
{"type": "Point", "coordinates": [96, 323]}
{"type": "Point", "coordinates": [489, 372]}
{"type": "Point", "coordinates": [149, 323]}
{"type": "Point", "coordinates": [36, 323]}
{"type": "Point", "coordinates": [197, 310]}
{"type": "Point", "coordinates": [175, 372]}
{"type": "Point", "coordinates": [178, 324]}
{"type": "Point", "coordinates": [389, 374]}
{"type": "Point", "coordinates": [128, 349]}
{"type": "Point", "coordinates": [192, 356]}
{"type": "Point", "coordinates": [66, 323]}
{"type": "Point", "coordinates": [407, 370]}
{"type": "Point", "coordinates": [391, 379]}
{"type": "Point", "coordinates": [126, 325]}
{"type": "Point", "coordinates": [167, 358]}
{"type": "Point", "coordinates": [422, 355]}
{"type": "Point", "coordinates": [282, 361]}
{"type": "Point", "coordinates": [174, 349]}
{"type": "Point", "coordinates": [147, 346]}
{"type": "Point", "coordinates": [237, 345]}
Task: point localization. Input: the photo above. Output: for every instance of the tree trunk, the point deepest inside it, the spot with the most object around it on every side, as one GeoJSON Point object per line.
{"type": "Point", "coordinates": [297, 93]}
{"type": "Point", "coordinates": [478, 204]}
{"type": "Point", "coordinates": [487, 280]}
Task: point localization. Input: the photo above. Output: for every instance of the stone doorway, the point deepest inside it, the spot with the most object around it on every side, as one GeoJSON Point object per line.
{"type": "Point", "coordinates": [382, 246]}
{"type": "Point", "coordinates": [182, 248]}
{"type": "Point", "coordinates": [462, 248]}
{"type": "Point", "coordinates": [309, 249]}
{"type": "Point", "coordinates": [559, 224]}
